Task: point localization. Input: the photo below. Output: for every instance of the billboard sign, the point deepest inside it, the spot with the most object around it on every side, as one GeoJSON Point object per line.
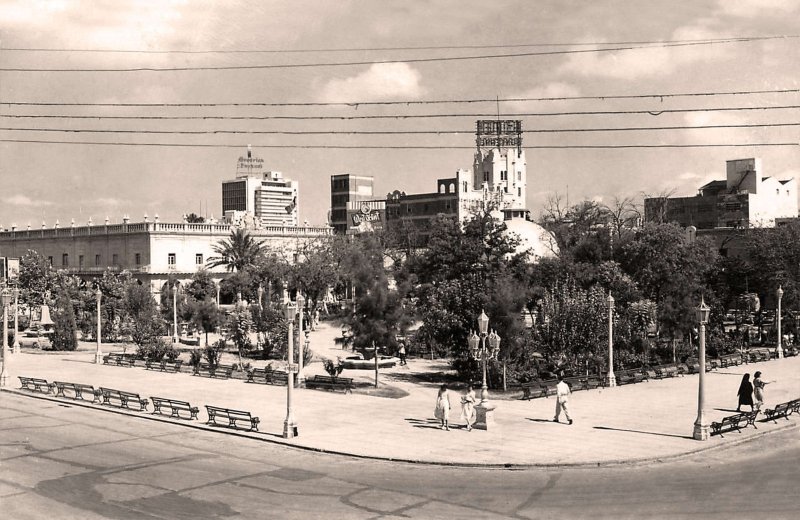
{"type": "Point", "coordinates": [505, 133]}
{"type": "Point", "coordinates": [366, 218]}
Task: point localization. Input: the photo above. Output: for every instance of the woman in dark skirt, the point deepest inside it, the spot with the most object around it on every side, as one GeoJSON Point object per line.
{"type": "Point", "coordinates": [745, 393]}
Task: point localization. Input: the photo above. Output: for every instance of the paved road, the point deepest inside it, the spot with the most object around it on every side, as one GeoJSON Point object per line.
{"type": "Point", "coordinates": [63, 462]}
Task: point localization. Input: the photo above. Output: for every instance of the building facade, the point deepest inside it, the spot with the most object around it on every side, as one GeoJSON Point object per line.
{"type": "Point", "coordinates": [266, 195]}
{"type": "Point", "coordinates": [347, 192]}
{"type": "Point", "coordinates": [746, 198]}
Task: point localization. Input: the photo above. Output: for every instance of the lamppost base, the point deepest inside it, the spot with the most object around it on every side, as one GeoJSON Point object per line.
{"type": "Point", "coordinates": [611, 380]}
{"type": "Point", "coordinates": [16, 348]}
{"type": "Point", "coordinates": [98, 357]}
{"type": "Point", "coordinates": [290, 429]}
{"type": "Point", "coordinates": [700, 432]}
{"type": "Point", "coordinates": [484, 416]}
{"type": "Point", "coordinates": [780, 353]}
{"type": "Point", "coordinates": [3, 376]}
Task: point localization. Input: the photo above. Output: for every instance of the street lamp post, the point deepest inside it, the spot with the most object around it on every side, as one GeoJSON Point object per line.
{"type": "Point", "coordinates": [175, 314]}
{"type": "Point", "coordinates": [5, 299]}
{"type": "Point", "coordinates": [289, 424]}
{"type": "Point", "coordinates": [98, 354]}
{"type": "Point", "coordinates": [700, 432]}
{"type": "Point", "coordinates": [16, 320]}
{"type": "Point", "coordinates": [611, 379]}
{"type": "Point", "coordinates": [300, 306]}
{"type": "Point", "coordinates": [484, 411]}
{"type": "Point", "coordinates": [779, 293]}
{"type": "Point", "coordinates": [260, 295]}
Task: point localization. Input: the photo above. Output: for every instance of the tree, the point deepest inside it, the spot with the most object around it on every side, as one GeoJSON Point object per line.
{"type": "Point", "coordinates": [37, 279]}
{"type": "Point", "coordinates": [144, 323]}
{"type": "Point", "coordinates": [240, 322]}
{"type": "Point", "coordinates": [194, 218]}
{"type": "Point", "coordinates": [113, 286]}
{"type": "Point", "coordinates": [202, 287]}
{"type": "Point", "coordinates": [316, 270]}
{"type": "Point", "coordinates": [236, 252]}
{"type": "Point", "coordinates": [204, 315]}
{"type": "Point", "coordinates": [65, 332]}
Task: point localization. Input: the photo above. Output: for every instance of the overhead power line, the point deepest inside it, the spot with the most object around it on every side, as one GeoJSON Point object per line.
{"type": "Point", "coordinates": [376, 62]}
{"type": "Point", "coordinates": [410, 116]}
{"type": "Point", "coordinates": [399, 147]}
{"type": "Point", "coordinates": [410, 102]}
{"type": "Point", "coordinates": [379, 49]}
{"type": "Point", "coordinates": [389, 132]}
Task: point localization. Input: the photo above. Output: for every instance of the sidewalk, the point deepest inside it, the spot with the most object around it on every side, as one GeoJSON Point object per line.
{"type": "Point", "coordinates": [645, 421]}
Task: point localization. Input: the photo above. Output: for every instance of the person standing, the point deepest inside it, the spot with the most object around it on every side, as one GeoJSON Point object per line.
{"type": "Point", "coordinates": [442, 410]}
{"type": "Point", "coordinates": [758, 389]}
{"type": "Point", "coordinates": [745, 393]}
{"type": "Point", "coordinates": [401, 353]}
{"type": "Point", "coordinates": [562, 399]}
{"type": "Point", "coordinates": [468, 407]}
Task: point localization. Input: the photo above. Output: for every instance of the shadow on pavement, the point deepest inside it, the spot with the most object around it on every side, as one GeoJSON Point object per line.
{"type": "Point", "coordinates": [640, 431]}
{"type": "Point", "coordinates": [424, 423]}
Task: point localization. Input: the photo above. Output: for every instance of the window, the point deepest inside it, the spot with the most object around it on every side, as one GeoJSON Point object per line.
{"type": "Point", "coordinates": [114, 259]}
{"type": "Point", "coordinates": [138, 258]}
{"type": "Point", "coordinates": [198, 258]}
{"type": "Point", "coordinates": [96, 260]}
{"type": "Point", "coordinates": [503, 175]}
{"type": "Point", "coordinates": [65, 260]}
{"type": "Point", "coordinates": [171, 258]}
{"type": "Point", "coordinates": [80, 261]}
{"type": "Point", "coordinates": [465, 187]}
{"type": "Point", "coordinates": [519, 192]}
{"type": "Point", "coordinates": [519, 176]}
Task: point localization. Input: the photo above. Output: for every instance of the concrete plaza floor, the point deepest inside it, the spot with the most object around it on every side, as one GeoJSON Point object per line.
{"type": "Point", "coordinates": [646, 421]}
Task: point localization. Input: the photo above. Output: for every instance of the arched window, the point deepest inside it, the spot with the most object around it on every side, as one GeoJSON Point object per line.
{"type": "Point", "coordinates": [452, 188]}
{"type": "Point", "coordinates": [442, 188]}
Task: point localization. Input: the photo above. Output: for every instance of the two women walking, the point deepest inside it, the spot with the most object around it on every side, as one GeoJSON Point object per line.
{"type": "Point", "coordinates": [747, 390]}
{"type": "Point", "coordinates": [442, 410]}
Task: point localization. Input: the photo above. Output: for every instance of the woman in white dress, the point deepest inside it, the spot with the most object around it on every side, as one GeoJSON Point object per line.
{"type": "Point", "coordinates": [442, 410]}
{"type": "Point", "coordinates": [468, 407]}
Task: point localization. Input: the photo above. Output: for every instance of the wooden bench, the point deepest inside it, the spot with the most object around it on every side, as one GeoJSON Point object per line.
{"type": "Point", "coordinates": [574, 383]}
{"type": "Point", "coordinates": [77, 389]}
{"type": "Point", "coordinates": [593, 382]}
{"type": "Point", "coordinates": [728, 423]}
{"type": "Point", "coordinates": [35, 384]}
{"type": "Point", "coordinates": [345, 383]}
{"type": "Point", "coordinates": [781, 410]}
{"type": "Point", "coordinates": [624, 377]}
{"type": "Point", "coordinates": [531, 389]}
{"type": "Point", "coordinates": [121, 360]}
{"type": "Point", "coordinates": [164, 365]}
{"type": "Point", "coordinates": [269, 376]}
{"type": "Point", "coordinates": [232, 416]}
{"type": "Point", "coordinates": [221, 371]}
{"type": "Point", "coordinates": [175, 407]}
{"type": "Point", "coordinates": [123, 398]}
{"type": "Point", "coordinates": [683, 369]}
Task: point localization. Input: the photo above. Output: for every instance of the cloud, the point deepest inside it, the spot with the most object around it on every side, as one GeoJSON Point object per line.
{"type": "Point", "coordinates": [753, 8]}
{"type": "Point", "coordinates": [24, 200]}
{"type": "Point", "coordinates": [110, 201]}
{"type": "Point", "coordinates": [380, 82]}
{"type": "Point", "coordinates": [553, 89]}
{"type": "Point", "coordinates": [688, 176]}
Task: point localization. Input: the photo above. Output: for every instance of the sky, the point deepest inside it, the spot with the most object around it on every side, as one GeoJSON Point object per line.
{"type": "Point", "coordinates": [560, 42]}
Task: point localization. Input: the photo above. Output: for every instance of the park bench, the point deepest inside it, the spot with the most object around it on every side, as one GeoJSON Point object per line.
{"type": "Point", "coordinates": [593, 382]}
{"type": "Point", "coordinates": [222, 371]}
{"type": "Point", "coordinates": [232, 416]}
{"type": "Point", "coordinates": [35, 384]}
{"type": "Point", "coordinates": [624, 377]}
{"type": "Point", "coordinates": [175, 407]}
{"type": "Point", "coordinates": [269, 376]}
{"type": "Point", "coordinates": [575, 384]}
{"type": "Point", "coordinates": [531, 389]}
{"type": "Point", "coordinates": [781, 410]}
{"type": "Point", "coordinates": [123, 398]}
{"type": "Point", "coordinates": [77, 390]}
{"type": "Point", "coordinates": [728, 423]}
{"type": "Point", "coordinates": [318, 381]}
{"type": "Point", "coordinates": [121, 360]}
{"type": "Point", "coordinates": [683, 369]}
{"type": "Point", "coordinates": [164, 365]}
{"type": "Point", "coordinates": [651, 373]}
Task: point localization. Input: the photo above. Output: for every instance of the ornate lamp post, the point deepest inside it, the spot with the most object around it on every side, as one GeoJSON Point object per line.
{"type": "Point", "coordinates": [289, 424]}
{"type": "Point", "coordinates": [5, 299]}
{"type": "Point", "coordinates": [779, 294]}
{"type": "Point", "coordinates": [260, 295]}
{"type": "Point", "coordinates": [300, 306]}
{"type": "Point", "coordinates": [700, 432]}
{"type": "Point", "coordinates": [174, 313]}
{"type": "Point", "coordinates": [611, 379]}
{"type": "Point", "coordinates": [484, 411]}
{"type": "Point", "coordinates": [16, 320]}
{"type": "Point", "coordinates": [98, 354]}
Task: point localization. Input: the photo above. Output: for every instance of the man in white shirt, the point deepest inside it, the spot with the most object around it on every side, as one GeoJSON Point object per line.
{"type": "Point", "coordinates": [562, 398]}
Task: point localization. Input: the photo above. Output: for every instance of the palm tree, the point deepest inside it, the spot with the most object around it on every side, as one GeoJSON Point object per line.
{"type": "Point", "coordinates": [236, 252]}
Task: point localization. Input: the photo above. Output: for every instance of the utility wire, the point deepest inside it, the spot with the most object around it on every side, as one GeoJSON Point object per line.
{"type": "Point", "coordinates": [379, 49]}
{"type": "Point", "coordinates": [388, 132]}
{"type": "Point", "coordinates": [411, 116]}
{"type": "Point", "coordinates": [412, 102]}
{"type": "Point", "coordinates": [400, 147]}
{"type": "Point", "coordinates": [375, 62]}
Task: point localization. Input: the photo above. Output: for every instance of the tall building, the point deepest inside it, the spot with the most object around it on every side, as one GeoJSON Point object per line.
{"type": "Point", "coordinates": [266, 195]}
{"type": "Point", "coordinates": [347, 192]}
{"type": "Point", "coordinates": [746, 198]}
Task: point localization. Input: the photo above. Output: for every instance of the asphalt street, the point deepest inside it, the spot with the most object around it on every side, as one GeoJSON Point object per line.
{"type": "Point", "coordinates": [60, 462]}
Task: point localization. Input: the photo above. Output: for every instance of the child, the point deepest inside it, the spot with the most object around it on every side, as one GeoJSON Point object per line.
{"type": "Point", "coordinates": [442, 410]}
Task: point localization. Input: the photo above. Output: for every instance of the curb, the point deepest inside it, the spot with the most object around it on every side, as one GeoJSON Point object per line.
{"type": "Point", "coordinates": [260, 436]}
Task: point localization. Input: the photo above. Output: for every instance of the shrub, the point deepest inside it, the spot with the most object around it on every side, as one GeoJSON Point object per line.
{"type": "Point", "coordinates": [195, 357]}
{"type": "Point", "coordinates": [213, 353]}
{"type": "Point", "coordinates": [65, 331]}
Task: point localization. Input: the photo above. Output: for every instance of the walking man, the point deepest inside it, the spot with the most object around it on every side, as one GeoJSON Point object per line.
{"type": "Point", "coordinates": [562, 398]}
{"type": "Point", "coordinates": [401, 352]}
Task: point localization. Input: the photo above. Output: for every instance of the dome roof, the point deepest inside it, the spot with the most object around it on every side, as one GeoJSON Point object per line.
{"type": "Point", "coordinates": [534, 239]}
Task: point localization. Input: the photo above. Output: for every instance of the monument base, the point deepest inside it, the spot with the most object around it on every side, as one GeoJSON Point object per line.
{"type": "Point", "coordinates": [484, 416]}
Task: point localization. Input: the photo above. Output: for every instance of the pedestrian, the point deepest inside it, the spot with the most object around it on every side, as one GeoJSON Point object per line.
{"type": "Point", "coordinates": [745, 393]}
{"type": "Point", "coordinates": [758, 389]}
{"type": "Point", "coordinates": [468, 407]}
{"type": "Point", "coordinates": [442, 410]}
{"type": "Point", "coordinates": [562, 399]}
{"type": "Point", "coordinates": [401, 352]}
